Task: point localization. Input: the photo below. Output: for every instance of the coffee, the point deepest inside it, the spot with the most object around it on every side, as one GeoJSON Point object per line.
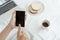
{"type": "Point", "coordinates": [45, 24]}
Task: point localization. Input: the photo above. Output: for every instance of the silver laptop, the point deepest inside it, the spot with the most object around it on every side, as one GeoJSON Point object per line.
{"type": "Point", "coordinates": [6, 5]}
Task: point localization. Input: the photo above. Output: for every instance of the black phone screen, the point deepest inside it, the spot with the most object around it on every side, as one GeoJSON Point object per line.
{"type": "Point", "coordinates": [20, 18]}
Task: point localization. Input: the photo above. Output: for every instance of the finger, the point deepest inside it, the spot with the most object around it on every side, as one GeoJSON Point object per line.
{"type": "Point", "coordinates": [13, 17]}
{"type": "Point", "coordinates": [20, 32]}
{"type": "Point", "coordinates": [19, 29]}
{"type": "Point", "coordinates": [14, 14]}
{"type": "Point", "coordinates": [24, 34]}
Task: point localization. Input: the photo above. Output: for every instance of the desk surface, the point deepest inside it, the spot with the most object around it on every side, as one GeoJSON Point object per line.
{"type": "Point", "coordinates": [51, 12]}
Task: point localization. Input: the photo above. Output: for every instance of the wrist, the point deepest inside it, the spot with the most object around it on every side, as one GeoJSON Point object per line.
{"type": "Point", "coordinates": [10, 26]}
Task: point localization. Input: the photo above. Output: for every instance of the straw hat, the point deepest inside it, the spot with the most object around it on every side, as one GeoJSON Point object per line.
{"type": "Point", "coordinates": [36, 7]}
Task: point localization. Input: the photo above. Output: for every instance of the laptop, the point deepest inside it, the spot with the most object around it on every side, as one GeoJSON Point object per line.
{"type": "Point", "coordinates": [6, 5]}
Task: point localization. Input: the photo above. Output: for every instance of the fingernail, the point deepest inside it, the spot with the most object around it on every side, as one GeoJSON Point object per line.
{"type": "Point", "coordinates": [19, 25]}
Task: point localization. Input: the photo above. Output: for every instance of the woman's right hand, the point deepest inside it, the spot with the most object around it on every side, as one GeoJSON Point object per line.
{"type": "Point", "coordinates": [21, 35]}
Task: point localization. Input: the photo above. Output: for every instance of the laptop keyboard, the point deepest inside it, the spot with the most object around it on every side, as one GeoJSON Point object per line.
{"type": "Point", "coordinates": [7, 7]}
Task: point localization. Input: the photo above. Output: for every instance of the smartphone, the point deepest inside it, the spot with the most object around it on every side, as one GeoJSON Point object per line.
{"type": "Point", "coordinates": [20, 18]}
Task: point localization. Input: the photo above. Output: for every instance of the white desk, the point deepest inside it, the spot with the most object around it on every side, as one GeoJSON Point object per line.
{"type": "Point", "coordinates": [51, 12]}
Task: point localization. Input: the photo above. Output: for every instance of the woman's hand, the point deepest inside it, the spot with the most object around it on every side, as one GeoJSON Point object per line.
{"type": "Point", "coordinates": [12, 21]}
{"type": "Point", "coordinates": [9, 27]}
{"type": "Point", "coordinates": [21, 35]}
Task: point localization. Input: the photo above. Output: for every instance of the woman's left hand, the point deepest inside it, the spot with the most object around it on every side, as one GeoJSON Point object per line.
{"type": "Point", "coordinates": [12, 21]}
